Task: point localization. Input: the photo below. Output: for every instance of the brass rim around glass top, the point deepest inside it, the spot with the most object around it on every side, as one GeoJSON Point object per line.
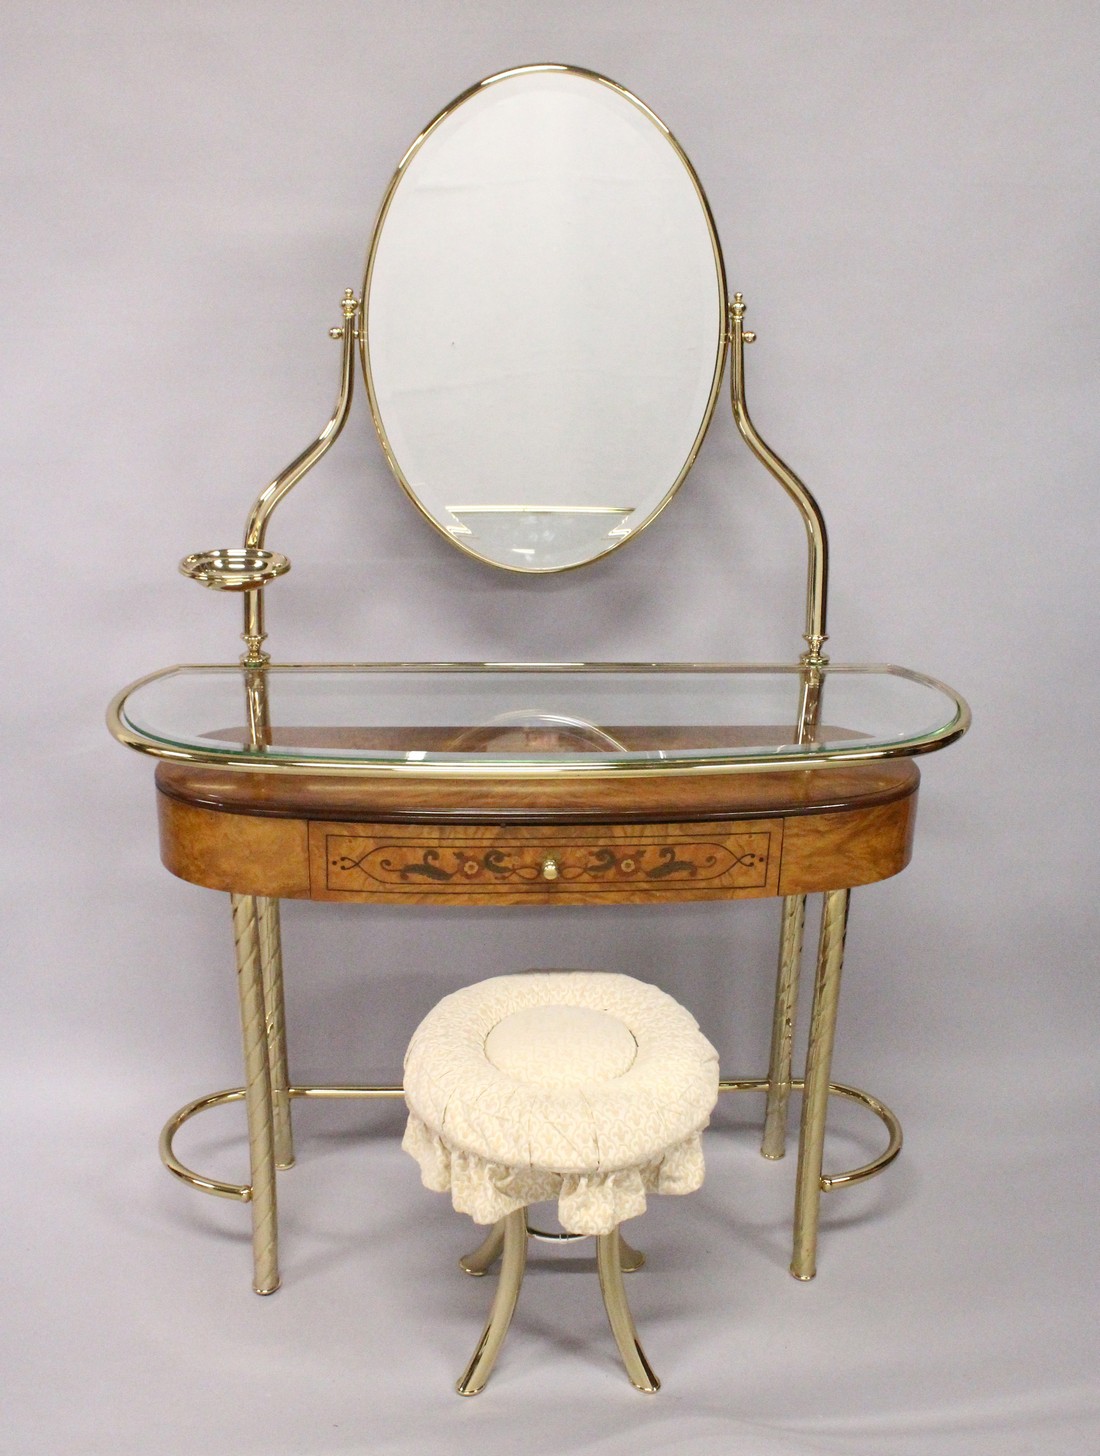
{"type": "Point", "coordinates": [719, 265]}
{"type": "Point", "coordinates": [808, 757]}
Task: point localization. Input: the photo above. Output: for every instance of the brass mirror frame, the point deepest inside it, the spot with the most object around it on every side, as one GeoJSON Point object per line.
{"type": "Point", "coordinates": [722, 340]}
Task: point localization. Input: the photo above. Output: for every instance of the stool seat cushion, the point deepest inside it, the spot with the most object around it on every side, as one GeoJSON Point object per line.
{"type": "Point", "coordinates": [584, 1086]}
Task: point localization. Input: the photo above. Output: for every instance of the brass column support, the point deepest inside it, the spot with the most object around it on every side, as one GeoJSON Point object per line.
{"type": "Point", "coordinates": [817, 568]}
{"type": "Point", "coordinates": [258, 1102]}
{"type": "Point", "coordinates": [257, 705]}
{"type": "Point", "coordinates": [815, 1097]}
{"type": "Point", "coordinates": [512, 1266]}
{"type": "Point", "coordinates": [271, 969]}
{"type": "Point", "coordinates": [810, 682]}
{"type": "Point", "coordinates": [608, 1248]}
{"type": "Point", "coordinates": [811, 678]}
{"type": "Point", "coordinates": [783, 1021]}
{"type": "Point", "coordinates": [256, 527]}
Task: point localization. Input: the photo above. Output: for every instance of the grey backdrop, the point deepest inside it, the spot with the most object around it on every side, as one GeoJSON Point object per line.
{"type": "Point", "coordinates": [906, 193]}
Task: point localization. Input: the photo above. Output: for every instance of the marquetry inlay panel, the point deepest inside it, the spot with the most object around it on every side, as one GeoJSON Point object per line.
{"type": "Point", "coordinates": [572, 864]}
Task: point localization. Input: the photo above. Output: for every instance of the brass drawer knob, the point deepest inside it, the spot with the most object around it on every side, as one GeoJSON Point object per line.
{"type": "Point", "coordinates": [549, 868]}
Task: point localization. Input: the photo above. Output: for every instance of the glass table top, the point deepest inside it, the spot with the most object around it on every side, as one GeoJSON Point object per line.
{"type": "Point", "coordinates": [537, 719]}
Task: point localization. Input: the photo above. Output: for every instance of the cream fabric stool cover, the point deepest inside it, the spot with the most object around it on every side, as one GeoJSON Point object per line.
{"type": "Point", "coordinates": [584, 1086]}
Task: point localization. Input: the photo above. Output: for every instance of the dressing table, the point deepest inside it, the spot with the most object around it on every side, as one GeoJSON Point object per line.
{"type": "Point", "coordinates": [543, 331]}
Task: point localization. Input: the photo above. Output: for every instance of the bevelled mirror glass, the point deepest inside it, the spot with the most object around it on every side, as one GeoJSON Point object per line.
{"type": "Point", "coordinates": [544, 319]}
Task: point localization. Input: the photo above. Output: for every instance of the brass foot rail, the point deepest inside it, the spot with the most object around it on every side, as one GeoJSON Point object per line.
{"type": "Point", "coordinates": [829, 1181]}
{"type": "Point", "coordinates": [242, 1193]}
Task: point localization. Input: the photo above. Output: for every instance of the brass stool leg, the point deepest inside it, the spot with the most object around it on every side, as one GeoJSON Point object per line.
{"type": "Point", "coordinates": [512, 1265]}
{"type": "Point", "coordinates": [271, 965]}
{"type": "Point", "coordinates": [786, 1005]}
{"type": "Point", "coordinates": [630, 1259]}
{"type": "Point", "coordinates": [257, 1071]}
{"type": "Point", "coordinates": [487, 1252]}
{"type": "Point", "coordinates": [618, 1313]}
{"type": "Point", "coordinates": [815, 1097]}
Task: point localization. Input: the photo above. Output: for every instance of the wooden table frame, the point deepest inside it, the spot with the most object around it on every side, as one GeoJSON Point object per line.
{"type": "Point", "coordinates": [264, 837]}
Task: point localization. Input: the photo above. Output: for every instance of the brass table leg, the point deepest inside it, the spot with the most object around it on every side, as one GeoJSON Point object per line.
{"type": "Point", "coordinates": [271, 967]}
{"type": "Point", "coordinates": [261, 1140]}
{"type": "Point", "coordinates": [786, 1006]}
{"type": "Point", "coordinates": [618, 1313]}
{"type": "Point", "coordinates": [512, 1265]}
{"type": "Point", "coordinates": [815, 1097]}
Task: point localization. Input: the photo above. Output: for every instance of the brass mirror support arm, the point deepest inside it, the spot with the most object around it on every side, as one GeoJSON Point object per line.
{"type": "Point", "coordinates": [268, 499]}
{"type": "Point", "coordinates": [817, 575]}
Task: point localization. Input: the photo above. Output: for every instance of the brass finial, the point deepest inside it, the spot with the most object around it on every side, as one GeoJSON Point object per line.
{"type": "Point", "coordinates": [255, 656]}
{"type": "Point", "coordinates": [813, 656]}
{"type": "Point", "coordinates": [350, 305]}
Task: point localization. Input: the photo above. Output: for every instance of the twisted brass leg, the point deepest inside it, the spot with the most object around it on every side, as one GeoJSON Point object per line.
{"type": "Point", "coordinates": [815, 1097]}
{"type": "Point", "coordinates": [261, 1144]}
{"type": "Point", "coordinates": [487, 1252]}
{"type": "Point", "coordinates": [512, 1265]}
{"type": "Point", "coordinates": [786, 1006]}
{"type": "Point", "coordinates": [619, 1316]}
{"type": "Point", "coordinates": [271, 966]}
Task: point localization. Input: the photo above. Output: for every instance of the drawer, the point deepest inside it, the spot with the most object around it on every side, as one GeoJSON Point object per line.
{"type": "Point", "coordinates": [575, 864]}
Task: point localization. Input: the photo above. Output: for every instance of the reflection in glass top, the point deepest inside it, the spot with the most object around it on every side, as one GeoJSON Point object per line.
{"type": "Point", "coordinates": [534, 718]}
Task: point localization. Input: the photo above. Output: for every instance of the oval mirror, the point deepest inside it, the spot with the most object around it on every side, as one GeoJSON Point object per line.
{"type": "Point", "coordinates": [544, 318]}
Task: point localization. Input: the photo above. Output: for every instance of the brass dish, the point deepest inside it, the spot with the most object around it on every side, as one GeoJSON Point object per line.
{"type": "Point", "coordinates": [234, 568]}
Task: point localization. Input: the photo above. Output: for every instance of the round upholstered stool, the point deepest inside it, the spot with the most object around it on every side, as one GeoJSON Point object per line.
{"type": "Point", "coordinates": [585, 1087]}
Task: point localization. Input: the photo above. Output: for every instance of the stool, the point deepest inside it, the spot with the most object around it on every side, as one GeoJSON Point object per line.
{"type": "Point", "coordinates": [583, 1086]}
